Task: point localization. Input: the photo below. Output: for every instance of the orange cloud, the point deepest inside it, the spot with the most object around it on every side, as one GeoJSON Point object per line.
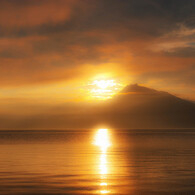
{"type": "Point", "coordinates": [45, 41]}
{"type": "Point", "coordinates": [32, 13]}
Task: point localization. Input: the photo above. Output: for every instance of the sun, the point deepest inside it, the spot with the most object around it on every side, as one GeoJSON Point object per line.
{"type": "Point", "coordinates": [103, 84]}
{"type": "Point", "coordinates": [104, 89]}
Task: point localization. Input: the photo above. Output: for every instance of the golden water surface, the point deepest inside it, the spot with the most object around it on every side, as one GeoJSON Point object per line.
{"type": "Point", "coordinates": [99, 161]}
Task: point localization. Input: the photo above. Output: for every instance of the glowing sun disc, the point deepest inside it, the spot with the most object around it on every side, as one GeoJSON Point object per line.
{"type": "Point", "coordinates": [104, 89]}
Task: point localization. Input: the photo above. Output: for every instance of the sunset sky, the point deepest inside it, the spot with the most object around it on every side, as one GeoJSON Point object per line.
{"type": "Point", "coordinates": [52, 51]}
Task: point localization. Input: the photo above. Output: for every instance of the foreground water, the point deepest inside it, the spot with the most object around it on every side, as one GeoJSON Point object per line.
{"type": "Point", "coordinates": [79, 162]}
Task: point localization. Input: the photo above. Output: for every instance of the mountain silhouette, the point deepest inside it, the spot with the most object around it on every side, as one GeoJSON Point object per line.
{"type": "Point", "coordinates": [140, 107]}
{"type": "Point", "coordinates": [134, 106]}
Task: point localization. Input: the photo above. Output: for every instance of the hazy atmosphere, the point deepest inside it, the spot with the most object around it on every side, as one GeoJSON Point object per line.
{"type": "Point", "coordinates": [58, 58]}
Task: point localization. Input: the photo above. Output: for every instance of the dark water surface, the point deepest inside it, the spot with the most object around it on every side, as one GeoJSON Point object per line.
{"type": "Point", "coordinates": [140, 162]}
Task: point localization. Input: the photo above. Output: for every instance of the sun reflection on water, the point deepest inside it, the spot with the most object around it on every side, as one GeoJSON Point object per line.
{"type": "Point", "coordinates": [103, 164]}
{"type": "Point", "coordinates": [103, 141]}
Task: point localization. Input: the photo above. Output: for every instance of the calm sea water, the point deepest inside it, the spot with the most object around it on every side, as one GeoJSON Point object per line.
{"type": "Point", "coordinates": [140, 162]}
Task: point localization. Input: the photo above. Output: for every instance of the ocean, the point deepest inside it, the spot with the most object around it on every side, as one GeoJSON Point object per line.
{"type": "Point", "coordinates": [121, 162]}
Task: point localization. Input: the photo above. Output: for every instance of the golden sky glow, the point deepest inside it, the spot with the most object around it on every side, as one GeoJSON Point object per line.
{"type": "Point", "coordinates": [75, 51]}
{"type": "Point", "coordinates": [72, 41]}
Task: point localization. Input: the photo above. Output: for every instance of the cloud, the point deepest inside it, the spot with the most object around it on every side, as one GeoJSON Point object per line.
{"type": "Point", "coordinates": [180, 42]}
{"type": "Point", "coordinates": [21, 13]}
{"type": "Point", "coordinates": [45, 41]}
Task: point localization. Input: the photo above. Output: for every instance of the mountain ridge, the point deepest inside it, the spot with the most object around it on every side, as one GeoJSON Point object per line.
{"type": "Point", "coordinates": [134, 107]}
{"type": "Point", "coordinates": [138, 106]}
